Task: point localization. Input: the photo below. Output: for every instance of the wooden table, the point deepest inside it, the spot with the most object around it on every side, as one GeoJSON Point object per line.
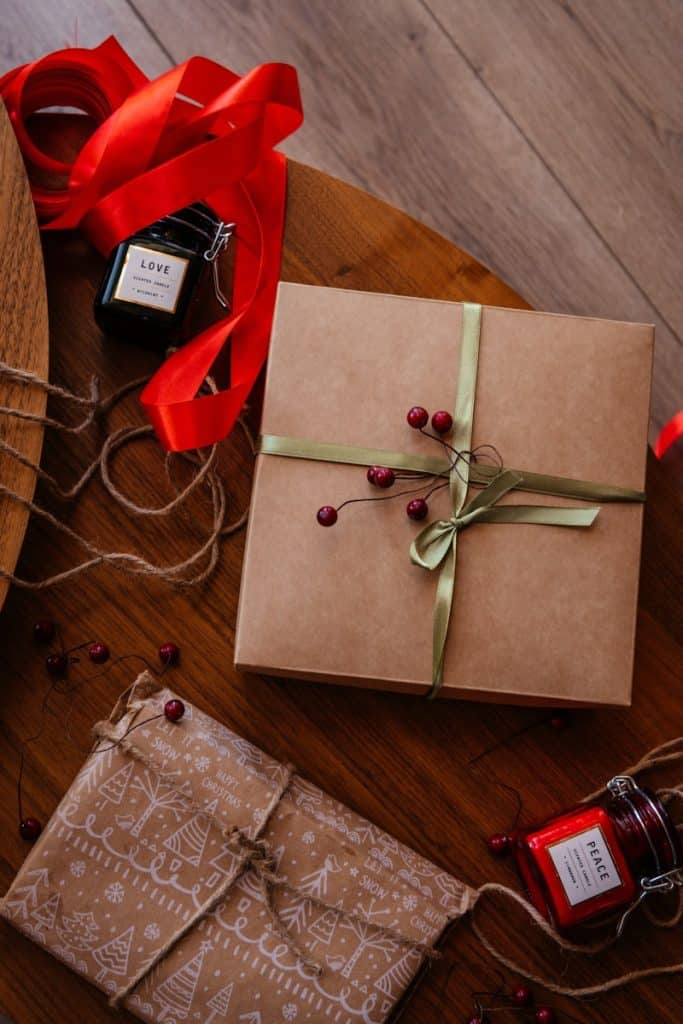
{"type": "Point", "coordinates": [403, 762]}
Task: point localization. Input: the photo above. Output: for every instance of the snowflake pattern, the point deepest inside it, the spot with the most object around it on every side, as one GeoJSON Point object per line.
{"type": "Point", "coordinates": [410, 902]}
{"type": "Point", "coordinates": [308, 838]}
{"type": "Point", "coordinates": [152, 931]}
{"type": "Point", "coordinates": [114, 892]}
{"type": "Point", "coordinates": [289, 1011]}
{"type": "Point", "coordinates": [202, 764]}
{"type": "Point", "coordinates": [77, 868]}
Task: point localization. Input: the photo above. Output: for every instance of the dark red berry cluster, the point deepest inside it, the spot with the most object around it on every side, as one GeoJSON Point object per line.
{"type": "Point", "coordinates": [57, 665]}
{"type": "Point", "coordinates": [384, 477]}
{"type": "Point", "coordinates": [521, 998]}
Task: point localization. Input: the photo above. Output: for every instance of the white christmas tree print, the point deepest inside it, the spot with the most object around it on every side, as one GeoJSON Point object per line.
{"type": "Point", "coordinates": [295, 917]}
{"type": "Point", "coordinates": [247, 754]}
{"type": "Point", "coordinates": [159, 797]}
{"type": "Point", "coordinates": [28, 894]}
{"type": "Point", "coordinates": [397, 977]}
{"type": "Point", "coordinates": [112, 957]}
{"type": "Point", "coordinates": [323, 928]}
{"type": "Point", "coordinates": [94, 769]}
{"type": "Point", "coordinates": [219, 1004]}
{"type": "Point", "coordinates": [175, 995]}
{"type": "Point", "coordinates": [113, 788]}
{"type": "Point", "coordinates": [305, 793]}
{"type": "Point", "coordinates": [452, 892]}
{"type": "Point", "coordinates": [315, 883]}
{"type": "Point", "coordinates": [224, 864]}
{"type": "Point", "coordinates": [368, 938]}
{"type": "Point", "coordinates": [189, 840]}
{"type": "Point", "coordinates": [44, 916]}
{"type": "Point", "coordinates": [78, 931]}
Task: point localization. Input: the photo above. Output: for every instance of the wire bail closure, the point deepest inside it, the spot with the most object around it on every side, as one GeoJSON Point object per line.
{"type": "Point", "coordinates": [623, 786]}
{"type": "Point", "coordinates": [221, 240]}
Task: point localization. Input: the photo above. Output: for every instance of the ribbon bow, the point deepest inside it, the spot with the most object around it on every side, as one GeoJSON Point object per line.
{"type": "Point", "coordinates": [435, 545]}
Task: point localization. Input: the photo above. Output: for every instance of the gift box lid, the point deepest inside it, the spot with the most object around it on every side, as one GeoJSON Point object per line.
{"type": "Point", "coordinates": [540, 614]}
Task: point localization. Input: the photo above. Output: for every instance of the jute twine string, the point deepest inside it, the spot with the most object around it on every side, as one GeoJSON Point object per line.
{"type": "Point", "coordinates": [192, 570]}
{"type": "Point", "coordinates": [252, 853]}
{"type": "Point", "coordinates": [666, 753]}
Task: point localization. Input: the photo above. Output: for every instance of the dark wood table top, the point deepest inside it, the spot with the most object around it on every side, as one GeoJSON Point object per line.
{"type": "Point", "coordinates": [402, 762]}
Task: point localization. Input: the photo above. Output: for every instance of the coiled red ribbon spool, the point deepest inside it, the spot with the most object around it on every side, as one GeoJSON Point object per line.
{"type": "Point", "coordinates": [198, 132]}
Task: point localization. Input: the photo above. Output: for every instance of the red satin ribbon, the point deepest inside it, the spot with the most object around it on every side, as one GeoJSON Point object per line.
{"type": "Point", "coordinates": [669, 434]}
{"type": "Point", "coordinates": [198, 132]}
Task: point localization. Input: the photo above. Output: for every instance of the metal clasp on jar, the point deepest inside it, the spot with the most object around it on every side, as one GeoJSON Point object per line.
{"type": "Point", "coordinates": [621, 785]}
{"type": "Point", "coordinates": [221, 239]}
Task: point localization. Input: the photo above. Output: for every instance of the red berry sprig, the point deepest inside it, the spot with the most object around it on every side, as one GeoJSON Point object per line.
{"type": "Point", "coordinates": [520, 998]}
{"type": "Point", "coordinates": [57, 665]}
{"type": "Point", "coordinates": [44, 631]}
{"type": "Point", "coordinates": [98, 653]}
{"type": "Point", "coordinates": [169, 653]}
{"type": "Point", "coordinates": [384, 477]}
{"type": "Point", "coordinates": [174, 710]}
{"type": "Point", "coordinates": [499, 843]}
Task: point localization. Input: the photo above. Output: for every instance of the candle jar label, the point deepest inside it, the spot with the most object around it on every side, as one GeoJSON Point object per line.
{"type": "Point", "coordinates": [585, 865]}
{"type": "Point", "coordinates": [151, 278]}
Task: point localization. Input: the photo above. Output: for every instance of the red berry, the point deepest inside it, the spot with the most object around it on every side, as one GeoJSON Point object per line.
{"type": "Point", "coordinates": [522, 995]}
{"type": "Point", "coordinates": [544, 1015]}
{"type": "Point", "coordinates": [417, 508]}
{"type": "Point", "coordinates": [371, 474]}
{"type": "Point", "coordinates": [417, 417]}
{"type": "Point", "coordinates": [57, 664]}
{"type": "Point", "coordinates": [476, 1020]}
{"type": "Point", "coordinates": [442, 421]}
{"type": "Point", "coordinates": [559, 721]}
{"type": "Point", "coordinates": [174, 710]}
{"type": "Point", "coordinates": [384, 477]}
{"type": "Point", "coordinates": [169, 654]}
{"type": "Point", "coordinates": [327, 515]}
{"type": "Point", "coordinates": [98, 653]}
{"type": "Point", "coordinates": [30, 828]}
{"type": "Point", "coordinates": [44, 631]}
{"type": "Point", "coordinates": [498, 844]}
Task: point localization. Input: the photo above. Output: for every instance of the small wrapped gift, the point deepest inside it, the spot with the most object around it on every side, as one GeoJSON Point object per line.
{"type": "Point", "coordinates": [536, 602]}
{"type": "Point", "coordinates": [192, 877]}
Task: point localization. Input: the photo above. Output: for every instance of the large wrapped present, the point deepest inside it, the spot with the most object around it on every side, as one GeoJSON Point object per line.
{"type": "Point", "coordinates": [192, 877]}
{"type": "Point", "coordinates": [544, 477]}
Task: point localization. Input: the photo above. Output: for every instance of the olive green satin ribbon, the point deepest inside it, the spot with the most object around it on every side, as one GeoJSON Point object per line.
{"type": "Point", "coordinates": [435, 546]}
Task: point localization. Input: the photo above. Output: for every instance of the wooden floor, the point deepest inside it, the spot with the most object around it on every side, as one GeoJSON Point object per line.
{"type": "Point", "coordinates": [545, 136]}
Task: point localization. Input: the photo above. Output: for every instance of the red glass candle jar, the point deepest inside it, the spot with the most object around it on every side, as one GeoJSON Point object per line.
{"type": "Point", "coordinates": [601, 859]}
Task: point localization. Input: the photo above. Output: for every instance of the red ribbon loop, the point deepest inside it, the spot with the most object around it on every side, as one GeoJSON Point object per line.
{"type": "Point", "coordinates": [198, 132]}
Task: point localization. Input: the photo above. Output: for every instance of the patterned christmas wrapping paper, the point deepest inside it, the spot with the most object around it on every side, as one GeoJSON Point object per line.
{"type": "Point", "coordinates": [124, 864]}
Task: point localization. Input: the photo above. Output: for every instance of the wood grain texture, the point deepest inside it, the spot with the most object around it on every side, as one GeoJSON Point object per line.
{"type": "Point", "coordinates": [560, 174]}
{"type": "Point", "coordinates": [542, 136]}
{"type": "Point", "coordinates": [402, 762]}
{"type": "Point", "coordinates": [23, 340]}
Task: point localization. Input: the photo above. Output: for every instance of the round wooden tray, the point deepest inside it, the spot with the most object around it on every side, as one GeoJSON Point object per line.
{"type": "Point", "coordinates": [23, 342]}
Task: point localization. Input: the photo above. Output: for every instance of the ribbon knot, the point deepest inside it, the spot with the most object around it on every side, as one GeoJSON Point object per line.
{"type": "Point", "coordinates": [435, 545]}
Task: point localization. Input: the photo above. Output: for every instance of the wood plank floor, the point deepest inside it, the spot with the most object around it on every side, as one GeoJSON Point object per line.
{"type": "Point", "coordinates": [545, 136]}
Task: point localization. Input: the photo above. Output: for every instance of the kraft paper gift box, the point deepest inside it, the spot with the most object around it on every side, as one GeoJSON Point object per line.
{"type": "Point", "coordinates": [540, 614]}
{"type": "Point", "coordinates": [136, 884]}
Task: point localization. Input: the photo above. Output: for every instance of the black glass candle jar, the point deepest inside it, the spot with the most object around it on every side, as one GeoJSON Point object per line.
{"type": "Point", "coordinates": [152, 277]}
